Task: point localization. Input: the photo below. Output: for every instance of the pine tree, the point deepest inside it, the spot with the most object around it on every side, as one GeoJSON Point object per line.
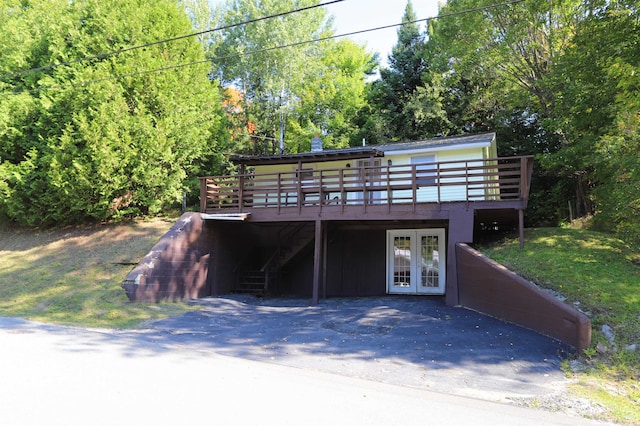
{"type": "Point", "coordinates": [403, 106]}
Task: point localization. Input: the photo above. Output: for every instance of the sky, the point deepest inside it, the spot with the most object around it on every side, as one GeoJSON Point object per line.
{"type": "Point", "coordinates": [357, 15]}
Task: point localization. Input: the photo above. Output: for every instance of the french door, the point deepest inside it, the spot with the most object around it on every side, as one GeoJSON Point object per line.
{"type": "Point", "coordinates": [416, 261]}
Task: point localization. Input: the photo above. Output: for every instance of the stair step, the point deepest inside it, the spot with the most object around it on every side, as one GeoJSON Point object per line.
{"type": "Point", "coordinates": [253, 282]}
{"type": "Point", "coordinates": [253, 278]}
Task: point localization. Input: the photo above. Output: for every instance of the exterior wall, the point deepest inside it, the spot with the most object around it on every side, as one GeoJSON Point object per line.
{"type": "Point", "coordinates": [451, 192]}
{"type": "Point", "coordinates": [231, 242]}
{"type": "Point", "coordinates": [461, 222]}
{"type": "Point", "coordinates": [489, 287]}
{"type": "Point", "coordinates": [461, 169]}
{"type": "Point", "coordinates": [357, 262]}
{"type": "Point", "coordinates": [292, 168]}
{"type": "Point", "coordinates": [182, 264]}
{"type": "Point", "coordinates": [356, 258]}
{"type": "Point", "coordinates": [289, 172]}
{"type": "Point", "coordinates": [296, 279]}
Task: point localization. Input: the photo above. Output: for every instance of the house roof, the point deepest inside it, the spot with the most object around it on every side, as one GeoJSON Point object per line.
{"type": "Point", "coordinates": [364, 152]}
{"type": "Point", "coordinates": [309, 157]}
{"type": "Point", "coordinates": [478, 138]}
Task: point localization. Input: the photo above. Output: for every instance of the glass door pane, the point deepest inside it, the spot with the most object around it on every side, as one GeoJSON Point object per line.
{"type": "Point", "coordinates": [402, 261]}
{"type": "Point", "coordinates": [429, 259]}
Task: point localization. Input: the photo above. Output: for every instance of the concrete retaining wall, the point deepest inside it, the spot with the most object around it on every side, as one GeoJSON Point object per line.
{"type": "Point", "coordinates": [176, 268]}
{"type": "Point", "coordinates": [490, 288]}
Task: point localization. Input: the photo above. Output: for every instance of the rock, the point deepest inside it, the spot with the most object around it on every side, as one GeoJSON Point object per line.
{"type": "Point", "coordinates": [608, 333]}
{"type": "Point", "coordinates": [601, 348]}
{"type": "Point", "coordinates": [556, 294]}
{"type": "Point", "coordinates": [631, 348]}
{"type": "Point", "coordinates": [577, 366]}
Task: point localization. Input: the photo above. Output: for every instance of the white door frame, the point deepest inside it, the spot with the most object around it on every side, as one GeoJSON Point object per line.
{"type": "Point", "coordinates": [412, 268]}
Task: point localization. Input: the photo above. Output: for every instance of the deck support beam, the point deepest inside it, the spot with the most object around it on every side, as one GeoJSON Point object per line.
{"type": "Point", "coordinates": [317, 261]}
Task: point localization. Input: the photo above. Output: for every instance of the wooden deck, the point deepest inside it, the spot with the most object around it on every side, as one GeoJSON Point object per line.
{"type": "Point", "coordinates": [490, 184]}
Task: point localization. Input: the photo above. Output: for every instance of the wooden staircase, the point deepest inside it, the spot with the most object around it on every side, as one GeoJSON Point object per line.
{"type": "Point", "coordinates": [253, 282]}
{"type": "Point", "coordinates": [291, 242]}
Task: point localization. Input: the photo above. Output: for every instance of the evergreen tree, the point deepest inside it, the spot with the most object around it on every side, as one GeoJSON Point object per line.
{"type": "Point", "coordinates": [403, 105]}
{"type": "Point", "coordinates": [108, 136]}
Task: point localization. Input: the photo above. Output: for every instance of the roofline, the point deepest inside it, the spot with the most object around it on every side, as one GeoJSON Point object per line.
{"type": "Point", "coordinates": [439, 148]}
{"type": "Point", "coordinates": [439, 143]}
{"type": "Point", "coordinates": [309, 157]}
{"type": "Point", "coordinates": [425, 145]}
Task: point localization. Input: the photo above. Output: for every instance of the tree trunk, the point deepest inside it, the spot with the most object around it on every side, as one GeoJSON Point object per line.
{"type": "Point", "coordinates": [584, 206]}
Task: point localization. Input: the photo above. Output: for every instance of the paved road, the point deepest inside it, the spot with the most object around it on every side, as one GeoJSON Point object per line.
{"type": "Point", "coordinates": [241, 361]}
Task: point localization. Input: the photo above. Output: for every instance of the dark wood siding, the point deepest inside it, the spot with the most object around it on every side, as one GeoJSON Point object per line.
{"type": "Point", "coordinates": [296, 278]}
{"type": "Point", "coordinates": [356, 262]}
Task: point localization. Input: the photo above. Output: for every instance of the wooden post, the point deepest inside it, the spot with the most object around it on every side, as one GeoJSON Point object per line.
{"type": "Point", "coordinates": [343, 194]}
{"type": "Point", "coordinates": [460, 231]}
{"type": "Point", "coordinates": [521, 227]}
{"type": "Point", "coordinates": [317, 263]}
{"type": "Point", "coordinates": [279, 200]}
{"type": "Point", "coordinates": [363, 179]}
{"type": "Point", "coordinates": [203, 195]}
{"type": "Point", "coordinates": [325, 248]}
{"type": "Point", "coordinates": [299, 184]}
{"type": "Point", "coordinates": [241, 189]}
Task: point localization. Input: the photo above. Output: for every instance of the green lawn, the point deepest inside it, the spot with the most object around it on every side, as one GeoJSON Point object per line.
{"type": "Point", "coordinates": [600, 275]}
{"type": "Point", "coordinates": [73, 275]}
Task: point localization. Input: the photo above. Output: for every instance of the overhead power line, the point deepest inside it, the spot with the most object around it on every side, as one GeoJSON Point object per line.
{"type": "Point", "coordinates": [384, 27]}
{"type": "Point", "coordinates": [167, 40]}
{"type": "Point", "coordinates": [267, 49]}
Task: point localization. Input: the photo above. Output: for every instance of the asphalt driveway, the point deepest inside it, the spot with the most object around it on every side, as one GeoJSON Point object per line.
{"type": "Point", "coordinates": [403, 340]}
{"type": "Point", "coordinates": [244, 360]}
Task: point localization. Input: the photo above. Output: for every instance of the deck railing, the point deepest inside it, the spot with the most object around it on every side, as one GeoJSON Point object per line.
{"type": "Point", "coordinates": [496, 179]}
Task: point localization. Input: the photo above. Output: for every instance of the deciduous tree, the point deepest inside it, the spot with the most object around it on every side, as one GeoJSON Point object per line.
{"type": "Point", "coordinates": [289, 93]}
{"type": "Point", "coordinates": [598, 95]}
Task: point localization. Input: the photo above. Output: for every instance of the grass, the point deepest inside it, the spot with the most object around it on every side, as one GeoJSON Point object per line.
{"type": "Point", "coordinates": [600, 275]}
{"type": "Point", "coordinates": [72, 275]}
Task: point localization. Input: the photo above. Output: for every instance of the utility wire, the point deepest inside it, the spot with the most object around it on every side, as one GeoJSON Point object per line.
{"type": "Point", "coordinates": [168, 40]}
{"type": "Point", "coordinates": [315, 40]}
{"type": "Point", "coordinates": [266, 49]}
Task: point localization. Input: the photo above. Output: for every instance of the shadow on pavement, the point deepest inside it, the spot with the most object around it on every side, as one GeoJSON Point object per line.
{"type": "Point", "coordinates": [408, 341]}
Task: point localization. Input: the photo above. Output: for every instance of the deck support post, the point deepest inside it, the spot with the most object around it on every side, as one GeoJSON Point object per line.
{"type": "Point", "coordinates": [460, 231]}
{"type": "Point", "coordinates": [325, 248]}
{"type": "Point", "coordinates": [317, 262]}
{"type": "Point", "coordinates": [521, 227]}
